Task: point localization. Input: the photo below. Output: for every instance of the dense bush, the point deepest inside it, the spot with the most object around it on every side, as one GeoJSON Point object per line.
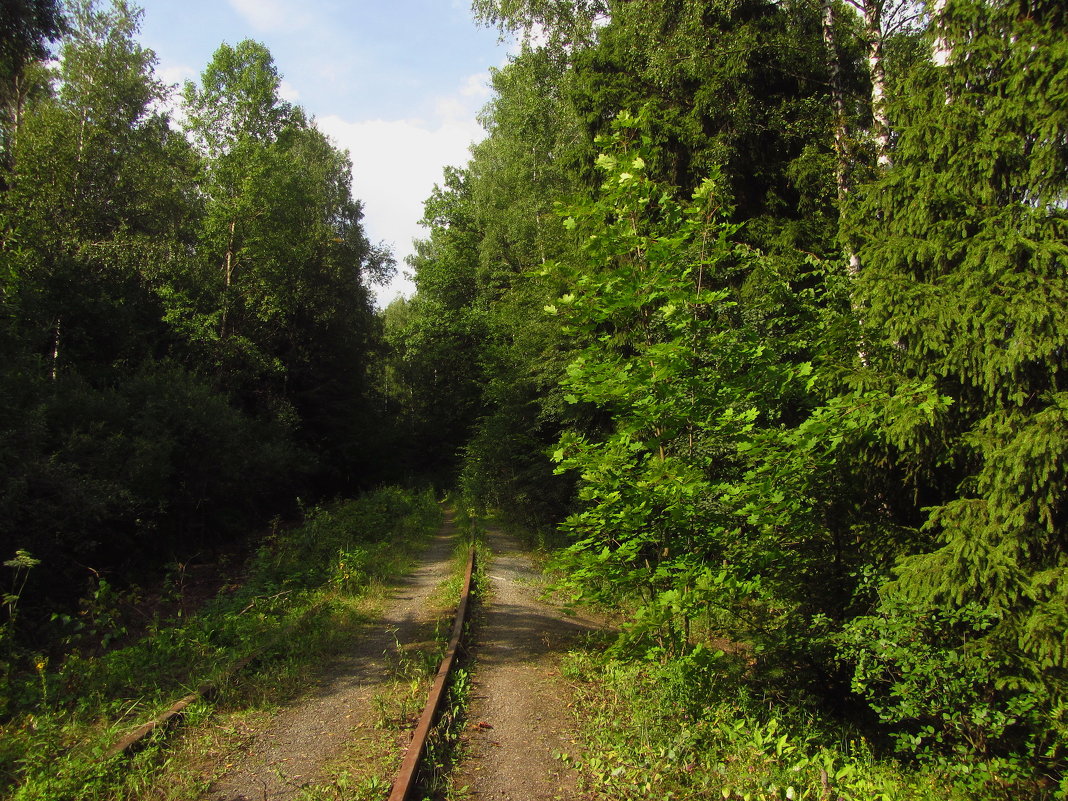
{"type": "Point", "coordinates": [135, 474]}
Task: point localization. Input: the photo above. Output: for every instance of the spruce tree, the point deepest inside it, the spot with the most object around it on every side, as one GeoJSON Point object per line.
{"type": "Point", "coordinates": [964, 247]}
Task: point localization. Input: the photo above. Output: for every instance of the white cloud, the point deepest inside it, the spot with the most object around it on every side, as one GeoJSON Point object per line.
{"type": "Point", "coordinates": [174, 76]}
{"type": "Point", "coordinates": [395, 166]}
{"type": "Point", "coordinates": [534, 37]}
{"type": "Point", "coordinates": [397, 162]}
{"type": "Point", "coordinates": [477, 86]}
{"type": "Point", "coordinates": [450, 109]}
{"type": "Point", "coordinates": [269, 15]}
{"type": "Point", "coordinates": [288, 91]}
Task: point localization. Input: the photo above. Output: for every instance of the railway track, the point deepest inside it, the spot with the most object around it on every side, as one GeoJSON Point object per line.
{"type": "Point", "coordinates": [405, 783]}
{"type": "Point", "coordinates": [519, 721]}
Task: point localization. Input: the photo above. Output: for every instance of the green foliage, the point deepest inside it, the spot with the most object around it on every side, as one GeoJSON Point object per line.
{"type": "Point", "coordinates": [935, 678]}
{"type": "Point", "coordinates": [278, 304]}
{"type": "Point", "coordinates": [238, 99]}
{"type": "Point", "coordinates": [435, 369]}
{"type": "Point", "coordinates": [692, 727]}
{"type": "Point", "coordinates": [702, 502]}
{"type": "Point", "coordinates": [27, 27]}
{"type": "Point", "coordinates": [187, 329]}
{"type": "Point", "coordinates": [734, 87]}
{"type": "Point", "coordinates": [853, 472]}
{"type": "Point", "coordinates": [565, 22]}
{"type": "Point", "coordinates": [517, 177]}
{"type": "Point", "coordinates": [158, 463]}
{"type": "Point", "coordinates": [320, 551]}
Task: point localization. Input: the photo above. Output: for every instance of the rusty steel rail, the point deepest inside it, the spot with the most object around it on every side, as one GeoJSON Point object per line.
{"type": "Point", "coordinates": [406, 776]}
{"type": "Point", "coordinates": [132, 741]}
{"type": "Point", "coordinates": [166, 719]}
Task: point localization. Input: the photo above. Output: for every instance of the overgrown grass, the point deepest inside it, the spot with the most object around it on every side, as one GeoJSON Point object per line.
{"type": "Point", "coordinates": [692, 728]}
{"type": "Point", "coordinates": [300, 601]}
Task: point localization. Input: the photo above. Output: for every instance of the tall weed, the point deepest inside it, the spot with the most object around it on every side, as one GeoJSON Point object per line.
{"type": "Point", "coordinates": [692, 727]}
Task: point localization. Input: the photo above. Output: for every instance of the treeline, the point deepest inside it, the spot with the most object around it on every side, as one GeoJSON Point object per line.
{"type": "Point", "coordinates": [188, 336]}
{"type": "Point", "coordinates": [764, 305]}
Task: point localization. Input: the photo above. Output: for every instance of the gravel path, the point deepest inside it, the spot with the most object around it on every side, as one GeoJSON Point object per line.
{"type": "Point", "coordinates": [519, 718]}
{"type": "Point", "coordinates": [318, 728]}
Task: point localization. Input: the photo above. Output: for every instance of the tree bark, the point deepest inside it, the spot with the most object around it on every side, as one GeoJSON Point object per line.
{"type": "Point", "coordinates": [873, 34]}
{"type": "Point", "coordinates": [841, 130]}
{"type": "Point", "coordinates": [841, 140]}
{"type": "Point", "coordinates": [55, 347]}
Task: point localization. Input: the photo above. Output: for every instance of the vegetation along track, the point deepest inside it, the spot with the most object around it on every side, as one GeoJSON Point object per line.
{"type": "Point", "coordinates": [519, 723]}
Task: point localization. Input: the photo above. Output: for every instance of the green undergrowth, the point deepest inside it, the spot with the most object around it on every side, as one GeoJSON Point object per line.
{"type": "Point", "coordinates": [301, 599]}
{"type": "Point", "coordinates": [470, 531]}
{"type": "Point", "coordinates": [692, 728]}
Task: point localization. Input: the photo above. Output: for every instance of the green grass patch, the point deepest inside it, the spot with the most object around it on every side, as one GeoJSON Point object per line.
{"type": "Point", "coordinates": [366, 772]}
{"type": "Point", "coordinates": [691, 728]}
{"type": "Point", "coordinates": [445, 746]}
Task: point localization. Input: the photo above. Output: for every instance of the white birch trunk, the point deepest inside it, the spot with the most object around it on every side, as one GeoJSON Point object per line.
{"type": "Point", "coordinates": [55, 347]}
{"type": "Point", "coordinates": [873, 33]}
{"type": "Point", "coordinates": [941, 50]}
{"type": "Point", "coordinates": [841, 131]}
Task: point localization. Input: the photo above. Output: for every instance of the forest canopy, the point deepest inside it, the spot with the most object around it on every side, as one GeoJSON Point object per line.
{"type": "Point", "coordinates": [187, 328]}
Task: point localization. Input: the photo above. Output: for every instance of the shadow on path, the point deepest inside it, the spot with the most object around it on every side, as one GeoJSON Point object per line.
{"type": "Point", "coordinates": [519, 718]}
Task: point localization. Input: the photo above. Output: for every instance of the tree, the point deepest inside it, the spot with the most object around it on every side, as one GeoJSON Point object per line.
{"type": "Point", "coordinates": [237, 99]}
{"type": "Point", "coordinates": [566, 23]}
{"type": "Point", "coordinates": [26, 28]}
{"type": "Point", "coordinates": [964, 282]}
{"type": "Point", "coordinates": [281, 306]}
{"type": "Point", "coordinates": [93, 200]}
{"type": "Point", "coordinates": [698, 497]}
{"type": "Point", "coordinates": [109, 448]}
{"type": "Point", "coordinates": [519, 175]}
{"type": "Point", "coordinates": [236, 119]}
{"type": "Point", "coordinates": [437, 350]}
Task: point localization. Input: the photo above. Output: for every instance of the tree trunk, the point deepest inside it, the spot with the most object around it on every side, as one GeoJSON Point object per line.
{"type": "Point", "coordinates": [228, 274]}
{"type": "Point", "coordinates": [841, 131]}
{"type": "Point", "coordinates": [941, 50]}
{"type": "Point", "coordinates": [55, 347]}
{"type": "Point", "coordinates": [842, 153]}
{"type": "Point", "coordinates": [841, 141]}
{"type": "Point", "coordinates": [873, 33]}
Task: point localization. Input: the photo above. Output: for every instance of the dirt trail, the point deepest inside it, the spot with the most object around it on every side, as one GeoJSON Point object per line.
{"type": "Point", "coordinates": [305, 737]}
{"type": "Point", "coordinates": [519, 718]}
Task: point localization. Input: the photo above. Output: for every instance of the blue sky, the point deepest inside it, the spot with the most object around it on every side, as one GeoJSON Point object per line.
{"type": "Point", "coordinates": [396, 82]}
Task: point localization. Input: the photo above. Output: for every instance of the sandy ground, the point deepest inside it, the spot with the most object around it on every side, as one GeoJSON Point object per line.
{"type": "Point", "coordinates": [317, 729]}
{"type": "Point", "coordinates": [519, 720]}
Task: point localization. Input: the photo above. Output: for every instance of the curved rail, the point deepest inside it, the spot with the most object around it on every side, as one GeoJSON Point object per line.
{"type": "Point", "coordinates": [405, 781]}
